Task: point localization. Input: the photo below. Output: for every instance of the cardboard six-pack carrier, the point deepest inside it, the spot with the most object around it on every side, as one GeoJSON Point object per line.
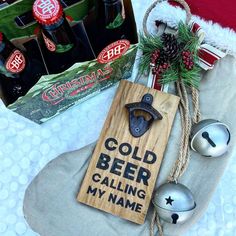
{"type": "Point", "coordinates": [93, 72]}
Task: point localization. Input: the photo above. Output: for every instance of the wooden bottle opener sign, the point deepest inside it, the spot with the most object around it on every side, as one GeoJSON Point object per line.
{"type": "Point", "coordinates": [122, 173]}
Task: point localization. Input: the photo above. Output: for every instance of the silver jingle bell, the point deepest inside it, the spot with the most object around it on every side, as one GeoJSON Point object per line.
{"type": "Point", "coordinates": [174, 203]}
{"type": "Point", "coordinates": [210, 138]}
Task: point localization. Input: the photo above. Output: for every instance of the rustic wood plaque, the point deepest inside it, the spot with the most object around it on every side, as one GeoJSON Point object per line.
{"type": "Point", "coordinates": [122, 173]}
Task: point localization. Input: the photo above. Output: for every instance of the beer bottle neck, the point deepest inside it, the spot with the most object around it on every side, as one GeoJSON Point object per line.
{"type": "Point", "coordinates": [54, 26]}
{"type": "Point", "coordinates": [2, 46]}
{"type": "Point", "coordinates": [6, 48]}
{"type": "Point", "coordinates": [114, 13]}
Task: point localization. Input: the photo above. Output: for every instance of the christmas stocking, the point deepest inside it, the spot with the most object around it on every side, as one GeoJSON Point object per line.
{"type": "Point", "coordinates": [50, 204]}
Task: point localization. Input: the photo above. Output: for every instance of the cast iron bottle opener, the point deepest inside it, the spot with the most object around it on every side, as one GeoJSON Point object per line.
{"type": "Point", "coordinates": [138, 125]}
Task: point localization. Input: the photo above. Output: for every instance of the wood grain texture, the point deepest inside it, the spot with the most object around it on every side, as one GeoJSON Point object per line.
{"type": "Point", "coordinates": [116, 196]}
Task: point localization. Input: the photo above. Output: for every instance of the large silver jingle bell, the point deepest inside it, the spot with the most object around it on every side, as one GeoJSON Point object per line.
{"type": "Point", "coordinates": [210, 138]}
{"type": "Point", "coordinates": [174, 203]}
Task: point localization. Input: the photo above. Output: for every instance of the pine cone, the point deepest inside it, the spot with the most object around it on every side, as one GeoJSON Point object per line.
{"type": "Point", "coordinates": [162, 63]}
{"type": "Point", "coordinates": [171, 47]}
{"type": "Point", "coordinates": [163, 58]}
{"type": "Point", "coordinates": [167, 38]}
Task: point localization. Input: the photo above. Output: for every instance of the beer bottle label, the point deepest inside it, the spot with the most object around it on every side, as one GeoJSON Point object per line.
{"type": "Point", "coordinates": [59, 48]}
{"type": "Point", "coordinates": [16, 62]}
{"type": "Point", "coordinates": [119, 19]}
{"type": "Point", "coordinates": [51, 46]}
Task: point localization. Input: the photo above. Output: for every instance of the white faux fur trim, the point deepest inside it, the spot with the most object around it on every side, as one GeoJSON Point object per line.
{"type": "Point", "coordinates": [216, 35]}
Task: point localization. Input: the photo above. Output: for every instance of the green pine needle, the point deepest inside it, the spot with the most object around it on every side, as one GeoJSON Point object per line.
{"type": "Point", "coordinates": [148, 45]}
{"type": "Point", "coordinates": [170, 75]}
{"type": "Point", "coordinates": [150, 41]}
{"type": "Point", "coordinates": [144, 64]}
{"type": "Point", "coordinates": [190, 77]}
{"type": "Point", "coordinates": [187, 38]}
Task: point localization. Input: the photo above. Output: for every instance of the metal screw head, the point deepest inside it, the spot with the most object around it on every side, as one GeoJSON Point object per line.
{"type": "Point", "coordinates": [147, 98]}
{"type": "Point", "coordinates": [137, 130]}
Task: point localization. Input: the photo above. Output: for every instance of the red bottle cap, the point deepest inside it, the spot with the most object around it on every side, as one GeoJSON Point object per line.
{"type": "Point", "coordinates": [47, 12]}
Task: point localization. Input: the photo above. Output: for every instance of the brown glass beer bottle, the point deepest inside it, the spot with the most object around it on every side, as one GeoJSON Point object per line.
{"type": "Point", "coordinates": [18, 71]}
{"type": "Point", "coordinates": [63, 47]}
{"type": "Point", "coordinates": [114, 20]}
{"type": "Point", "coordinates": [57, 33]}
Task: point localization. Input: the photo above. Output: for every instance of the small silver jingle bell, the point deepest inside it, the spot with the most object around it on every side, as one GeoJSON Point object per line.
{"type": "Point", "coordinates": [174, 203]}
{"type": "Point", "coordinates": [210, 138]}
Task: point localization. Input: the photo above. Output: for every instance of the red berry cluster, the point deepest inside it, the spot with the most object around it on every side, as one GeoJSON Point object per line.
{"type": "Point", "coordinates": [154, 57]}
{"type": "Point", "coordinates": [159, 69]}
{"type": "Point", "coordinates": [187, 58]}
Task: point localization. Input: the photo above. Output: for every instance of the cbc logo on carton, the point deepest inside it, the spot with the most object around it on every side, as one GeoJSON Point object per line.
{"type": "Point", "coordinates": [113, 51]}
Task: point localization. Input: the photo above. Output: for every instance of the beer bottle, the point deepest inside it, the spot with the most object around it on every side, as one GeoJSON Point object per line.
{"type": "Point", "coordinates": [18, 71]}
{"type": "Point", "coordinates": [56, 32]}
{"type": "Point", "coordinates": [114, 20]}
{"type": "Point", "coordinates": [64, 47]}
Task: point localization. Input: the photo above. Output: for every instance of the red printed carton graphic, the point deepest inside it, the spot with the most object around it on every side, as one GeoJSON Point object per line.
{"type": "Point", "coordinates": [56, 93]}
{"type": "Point", "coordinates": [113, 51]}
{"type": "Point", "coordinates": [16, 62]}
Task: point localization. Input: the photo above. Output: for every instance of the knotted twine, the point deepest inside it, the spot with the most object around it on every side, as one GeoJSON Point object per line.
{"type": "Point", "coordinates": [186, 118]}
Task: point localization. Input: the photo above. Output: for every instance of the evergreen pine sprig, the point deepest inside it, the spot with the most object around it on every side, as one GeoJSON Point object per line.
{"type": "Point", "coordinates": [147, 45]}
{"type": "Point", "coordinates": [187, 38]}
{"type": "Point", "coordinates": [187, 42]}
{"type": "Point", "coordinates": [170, 75]}
{"type": "Point", "coordinates": [190, 77]}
